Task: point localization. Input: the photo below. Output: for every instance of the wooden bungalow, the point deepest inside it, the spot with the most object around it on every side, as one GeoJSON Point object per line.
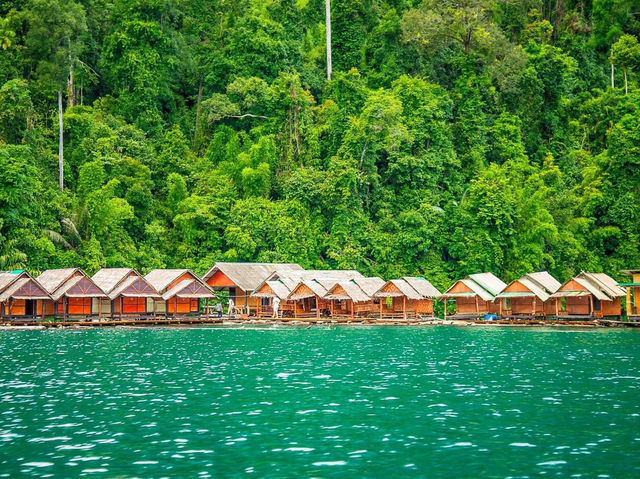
{"type": "Point", "coordinates": [308, 294]}
{"type": "Point", "coordinates": [281, 283]}
{"type": "Point", "coordinates": [180, 292]}
{"type": "Point", "coordinates": [406, 297]}
{"type": "Point", "coordinates": [589, 295]}
{"type": "Point", "coordinates": [633, 294]}
{"type": "Point", "coordinates": [21, 296]}
{"type": "Point", "coordinates": [275, 288]}
{"type": "Point", "coordinates": [72, 293]}
{"type": "Point", "coordinates": [128, 293]}
{"type": "Point", "coordinates": [475, 295]}
{"type": "Point", "coordinates": [241, 279]}
{"type": "Point", "coordinates": [529, 296]}
{"type": "Point", "coordinates": [354, 298]}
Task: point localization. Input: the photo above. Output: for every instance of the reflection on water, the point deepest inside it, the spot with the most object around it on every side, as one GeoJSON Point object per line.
{"type": "Point", "coordinates": [361, 402]}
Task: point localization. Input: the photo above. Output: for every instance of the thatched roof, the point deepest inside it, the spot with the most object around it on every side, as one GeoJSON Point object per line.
{"type": "Point", "coordinates": [109, 278]}
{"type": "Point", "coordinates": [397, 288]}
{"type": "Point", "coordinates": [135, 287]}
{"type": "Point", "coordinates": [276, 289]}
{"type": "Point", "coordinates": [315, 288]}
{"type": "Point", "coordinates": [248, 276]}
{"type": "Point", "coordinates": [601, 286]}
{"type": "Point", "coordinates": [485, 285]}
{"type": "Point", "coordinates": [52, 279]}
{"type": "Point", "coordinates": [369, 285]}
{"type": "Point", "coordinates": [541, 285]}
{"type": "Point", "coordinates": [24, 287]}
{"type": "Point", "coordinates": [189, 288]}
{"type": "Point", "coordinates": [78, 286]}
{"type": "Point", "coordinates": [423, 286]}
{"type": "Point", "coordinates": [70, 282]}
{"type": "Point", "coordinates": [7, 278]}
{"type": "Point", "coordinates": [160, 279]}
{"type": "Point", "coordinates": [347, 290]}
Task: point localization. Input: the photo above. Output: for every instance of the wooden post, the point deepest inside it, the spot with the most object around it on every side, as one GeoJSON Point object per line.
{"type": "Point", "coordinates": [404, 307]}
{"type": "Point", "coordinates": [445, 308]}
{"type": "Point", "coordinates": [175, 306]}
{"type": "Point", "coordinates": [557, 311]}
{"type": "Point", "coordinates": [331, 307]}
{"type": "Point", "coordinates": [65, 308]}
{"type": "Point", "coordinates": [121, 307]}
{"type": "Point", "coordinates": [9, 308]}
{"type": "Point", "coordinates": [477, 306]}
{"type": "Point", "coordinates": [353, 307]}
{"type": "Point", "coordinates": [629, 309]}
{"type": "Point", "coordinates": [317, 307]}
{"type": "Point", "coordinates": [591, 304]}
{"type": "Point", "coordinates": [99, 308]}
{"type": "Point", "coordinates": [533, 305]}
{"type": "Point", "coordinates": [500, 306]}
{"type": "Point", "coordinates": [380, 302]}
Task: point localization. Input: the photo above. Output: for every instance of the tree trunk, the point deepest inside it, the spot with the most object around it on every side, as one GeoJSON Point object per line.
{"type": "Point", "coordinates": [327, 4]}
{"type": "Point", "coordinates": [626, 89]}
{"type": "Point", "coordinates": [60, 143]}
{"type": "Point", "coordinates": [196, 130]}
{"type": "Point", "coordinates": [613, 80]}
{"type": "Point", "coordinates": [71, 93]}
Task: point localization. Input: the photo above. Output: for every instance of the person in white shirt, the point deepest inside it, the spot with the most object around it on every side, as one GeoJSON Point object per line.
{"type": "Point", "coordinates": [276, 306]}
{"type": "Point", "coordinates": [232, 305]}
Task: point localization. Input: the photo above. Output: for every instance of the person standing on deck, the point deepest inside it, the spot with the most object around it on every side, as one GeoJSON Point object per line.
{"type": "Point", "coordinates": [231, 306]}
{"type": "Point", "coordinates": [219, 309]}
{"type": "Point", "coordinates": [276, 306]}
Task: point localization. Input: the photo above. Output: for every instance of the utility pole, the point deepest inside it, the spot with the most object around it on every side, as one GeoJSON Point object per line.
{"type": "Point", "coordinates": [60, 143]}
{"type": "Point", "coordinates": [327, 4]}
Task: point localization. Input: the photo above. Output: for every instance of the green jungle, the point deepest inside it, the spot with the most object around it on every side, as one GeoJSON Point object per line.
{"type": "Point", "coordinates": [454, 136]}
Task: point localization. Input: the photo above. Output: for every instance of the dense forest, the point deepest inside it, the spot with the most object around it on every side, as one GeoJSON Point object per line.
{"type": "Point", "coordinates": [454, 136]}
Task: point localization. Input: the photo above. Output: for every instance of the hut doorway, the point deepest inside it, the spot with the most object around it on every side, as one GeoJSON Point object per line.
{"type": "Point", "coordinates": [597, 306]}
{"type": "Point", "coordinates": [30, 307]}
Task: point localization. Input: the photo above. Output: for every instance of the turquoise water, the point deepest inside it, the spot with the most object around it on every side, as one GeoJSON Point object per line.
{"type": "Point", "coordinates": [433, 402]}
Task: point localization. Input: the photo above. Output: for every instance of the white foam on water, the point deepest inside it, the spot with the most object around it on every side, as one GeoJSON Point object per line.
{"type": "Point", "coordinates": [330, 463]}
{"type": "Point", "coordinates": [38, 464]}
{"type": "Point", "coordinates": [522, 444]}
{"type": "Point", "coordinates": [551, 463]}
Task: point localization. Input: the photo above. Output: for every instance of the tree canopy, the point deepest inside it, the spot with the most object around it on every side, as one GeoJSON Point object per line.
{"type": "Point", "coordinates": [455, 136]}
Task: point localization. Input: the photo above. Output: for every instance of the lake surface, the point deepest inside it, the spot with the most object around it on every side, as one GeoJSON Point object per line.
{"type": "Point", "coordinates": [434, 402]}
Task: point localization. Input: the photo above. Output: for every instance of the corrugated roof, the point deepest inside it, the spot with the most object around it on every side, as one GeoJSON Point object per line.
{"type": "Point", "coordinates": [248, 276]}
{"type": "Point", "coordinates": [352, 291]}
{"type": "Point", "coordinates": [484, 285]}
{"type": "Point", "coordinates": [606, 284]}
{"type": "Point", "coordinates": [572, 293]}
{"type": "Point", "coordinates": [423, 286]}
{"type": "Point", "coordinates": [601, 286]}
{"type": "Point", "coordinates": [544, 279]}
{"type": "Point", "coordinates": [108, 278]}
{"type": "Point", "coordinates": [489, 282]}
{"type": "Point", "coordinates": [52, 279]}
{"type": "Point", "coordinates": [540, 284]}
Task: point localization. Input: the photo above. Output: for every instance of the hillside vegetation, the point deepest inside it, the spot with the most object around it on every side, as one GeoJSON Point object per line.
{"type": "Point", "coordinates": [454, 136]}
